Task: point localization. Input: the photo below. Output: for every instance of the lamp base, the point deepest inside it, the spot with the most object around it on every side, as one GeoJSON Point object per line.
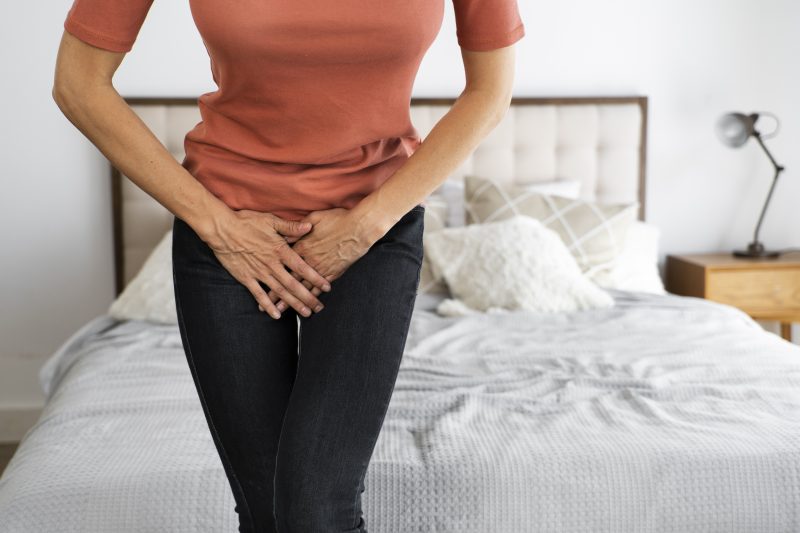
{"type": "Point", "coordinates": [756, 249]}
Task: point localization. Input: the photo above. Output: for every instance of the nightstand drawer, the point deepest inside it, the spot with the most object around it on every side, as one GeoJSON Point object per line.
{"type": "Point", "coordinates": [758, 292]}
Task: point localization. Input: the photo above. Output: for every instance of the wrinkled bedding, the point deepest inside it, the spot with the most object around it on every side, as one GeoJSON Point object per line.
{"type": "Point", "coordinates": [661, 414]}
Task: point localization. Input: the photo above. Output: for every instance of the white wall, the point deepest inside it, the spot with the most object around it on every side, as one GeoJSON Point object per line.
{"type": "Point", "coordinates": [694, 59]}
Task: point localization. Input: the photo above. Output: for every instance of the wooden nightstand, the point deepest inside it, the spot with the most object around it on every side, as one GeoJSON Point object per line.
{"type": "Point", "coordinates": [766, 289]}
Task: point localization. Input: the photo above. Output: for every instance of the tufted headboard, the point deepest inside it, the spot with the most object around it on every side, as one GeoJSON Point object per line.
{"type": "Point", "coordinates": [600, 141]}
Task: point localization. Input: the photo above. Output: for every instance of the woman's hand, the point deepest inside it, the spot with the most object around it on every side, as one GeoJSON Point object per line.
{"type": "Point", "coordinates": [255, 247]}
{"type": "Point", "coordinates": [333, 244]}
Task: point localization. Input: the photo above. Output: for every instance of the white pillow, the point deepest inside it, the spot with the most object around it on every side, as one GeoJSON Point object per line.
{"type": "Point", "coordinates": [636, 268]}
{"type": "Point", "coordinates": [150, 295]}
{"type": "Point", "coordinates": [452, 191]}
{"type": "Point", "coordinates": [565, 188]}
{"type": "Point", "coordinates": [514, 263]}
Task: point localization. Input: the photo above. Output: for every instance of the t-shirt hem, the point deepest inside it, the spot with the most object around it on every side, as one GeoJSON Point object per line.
{"type": "Point", "coordinates": [483, 45]}
{"type": "Point", "coordinates": [94, 38]}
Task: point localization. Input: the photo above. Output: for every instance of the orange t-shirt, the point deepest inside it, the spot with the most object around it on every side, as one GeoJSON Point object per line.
{"type": "Point", "coordinates": [312, 109]}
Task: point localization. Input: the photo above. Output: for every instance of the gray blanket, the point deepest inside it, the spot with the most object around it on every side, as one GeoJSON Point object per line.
{"type": "Point", "coordinates": [661, 414]}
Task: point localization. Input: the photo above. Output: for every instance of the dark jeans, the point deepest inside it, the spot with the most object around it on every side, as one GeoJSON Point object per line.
{"type": "Point", "coordinates": [295, 411]}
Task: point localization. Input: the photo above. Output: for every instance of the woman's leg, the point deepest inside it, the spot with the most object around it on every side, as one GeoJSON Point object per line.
{"type": "Point", "coordinates": [243, 363]}
{"type": "Point", "coordinates": [350, 354]}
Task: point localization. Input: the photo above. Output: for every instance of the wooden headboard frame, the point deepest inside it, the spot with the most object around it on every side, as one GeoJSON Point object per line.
{"type": "Point", "coordinates": [437, 106]}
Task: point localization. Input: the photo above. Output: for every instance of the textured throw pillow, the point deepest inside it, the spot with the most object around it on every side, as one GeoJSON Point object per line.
{"type": "Point", "coordinates": [515, 263]}
{"type": "Point", "coordinates": [594, 233]}
{"type": "Point", "coordinates": [435, 219]}
{"type": "Point", "coordinates": [150, 294]}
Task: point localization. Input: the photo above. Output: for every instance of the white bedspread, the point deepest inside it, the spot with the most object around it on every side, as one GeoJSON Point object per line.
{"type": "Point", "coordinates": [661, 414]}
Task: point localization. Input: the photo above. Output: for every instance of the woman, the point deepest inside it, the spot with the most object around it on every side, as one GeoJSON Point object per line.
{"type": "Point", "coordinates": [299, 196]}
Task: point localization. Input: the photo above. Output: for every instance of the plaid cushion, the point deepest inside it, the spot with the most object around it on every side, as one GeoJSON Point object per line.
{"type": "Point", "coordinates": [594, 233]}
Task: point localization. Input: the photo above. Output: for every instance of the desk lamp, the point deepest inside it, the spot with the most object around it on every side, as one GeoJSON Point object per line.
{"type": "Point", "coordinates": [734, 130]}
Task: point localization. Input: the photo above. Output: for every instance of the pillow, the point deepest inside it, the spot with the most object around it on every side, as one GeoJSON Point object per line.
{"type": "Point", "coordinates": [564, 187]}
{"type": "Point", "coordinates": [515, 263]}
{"type": "Point", "coordinates": [452, 191]}
{"type": "Point", "coordinates": [150, 295]}
{"type": "Point", "coordinates": [594, 233]}
{"type": "Point", "coordinates": [435, 219]}
{"type": "Point", "coordinates": [636, 268]}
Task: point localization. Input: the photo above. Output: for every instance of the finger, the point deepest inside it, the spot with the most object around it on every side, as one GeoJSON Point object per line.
{"type": "Point", "coordinates": [281, 305]}
{"type": "Point", "coordinates": [294, 262]}
{"type": "Point", "coordinates": [261, 297]}
{"type": "Point", "coordinates": [292, 291]}
{"type": "Point", "coordinates": [294, 228]}
{"type": "Point", "coordinates": [274, 298]}
{"type": "Point", "coordinates": [279, 292]}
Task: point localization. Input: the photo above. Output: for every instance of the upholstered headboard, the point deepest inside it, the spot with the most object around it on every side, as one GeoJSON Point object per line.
{"type": "Point", "coordinates": [600, 141]}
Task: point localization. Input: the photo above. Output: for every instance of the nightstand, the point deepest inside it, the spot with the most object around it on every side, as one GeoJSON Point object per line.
{"type": "Point", "coordinates": [766, 289]}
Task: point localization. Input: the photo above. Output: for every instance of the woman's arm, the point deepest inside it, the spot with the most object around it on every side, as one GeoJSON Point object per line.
{"type": "Point", "coordinates": [84, 92]}
{"type": "Point", "coordinates": [480, 107]}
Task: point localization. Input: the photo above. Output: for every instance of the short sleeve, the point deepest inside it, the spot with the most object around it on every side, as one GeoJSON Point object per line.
{"type": "Point", "coordinates": [109, 24]}
{"type": "Point", "coordinates": [483, 25]}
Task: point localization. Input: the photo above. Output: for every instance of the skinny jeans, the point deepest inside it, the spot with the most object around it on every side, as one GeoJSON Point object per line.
{"type": "Point", "coordinates": [295, 405]}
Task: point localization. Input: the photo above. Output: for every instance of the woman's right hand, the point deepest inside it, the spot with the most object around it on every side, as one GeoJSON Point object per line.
{"type": "Point", "coordinates": [254, 246]}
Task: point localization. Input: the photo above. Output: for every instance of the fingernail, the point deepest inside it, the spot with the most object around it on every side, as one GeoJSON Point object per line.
{"type": "Point", "coordinates": [318, 308]}
{"type": "Point", "coordinates": [326, 287]}
{"type": "Point", "coordinates": [306, 311]}
{"type": "Point", "coordinates": [276, 315]}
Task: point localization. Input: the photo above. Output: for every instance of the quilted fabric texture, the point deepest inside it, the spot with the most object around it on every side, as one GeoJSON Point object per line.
{"type": "Point", "coordinates": [516, 263]}
{"type": "Point", "coordinates": [594, 233]}
{"type": "Point", "coordinates": [663, 414]}
{"type": "Point", "coordinates": [150, 295]}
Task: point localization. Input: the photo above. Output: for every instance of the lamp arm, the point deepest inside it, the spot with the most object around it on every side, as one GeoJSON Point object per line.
{"type": "Point", "coordinates": [778, 170]}
{"type": "Point", "coordinates": [775, 164]}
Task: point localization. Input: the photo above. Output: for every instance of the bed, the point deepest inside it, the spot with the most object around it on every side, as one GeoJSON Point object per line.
{"type": "Point", "coordinates": [663, 413]}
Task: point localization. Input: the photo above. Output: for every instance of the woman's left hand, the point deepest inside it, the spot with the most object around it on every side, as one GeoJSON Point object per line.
{"type": "Point", "coordinates": [333, 244]}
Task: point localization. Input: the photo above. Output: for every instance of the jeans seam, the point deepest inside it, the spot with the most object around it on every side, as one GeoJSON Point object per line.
{"type": "Point", "coordinates": [203, 401]}
{"type": "Point", "coordinates": [280, 435]}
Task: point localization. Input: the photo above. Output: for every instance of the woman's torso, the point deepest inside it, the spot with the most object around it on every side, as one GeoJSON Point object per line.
{"type": "Point", "coordinates": [312, 106]}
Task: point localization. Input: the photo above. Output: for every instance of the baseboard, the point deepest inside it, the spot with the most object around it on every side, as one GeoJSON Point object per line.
{"type": "Point", "coordinates": [16, 421]}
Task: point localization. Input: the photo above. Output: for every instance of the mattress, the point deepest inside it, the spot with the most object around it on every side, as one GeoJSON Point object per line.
{"type": "Point", "coordinates": [663, 413]}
